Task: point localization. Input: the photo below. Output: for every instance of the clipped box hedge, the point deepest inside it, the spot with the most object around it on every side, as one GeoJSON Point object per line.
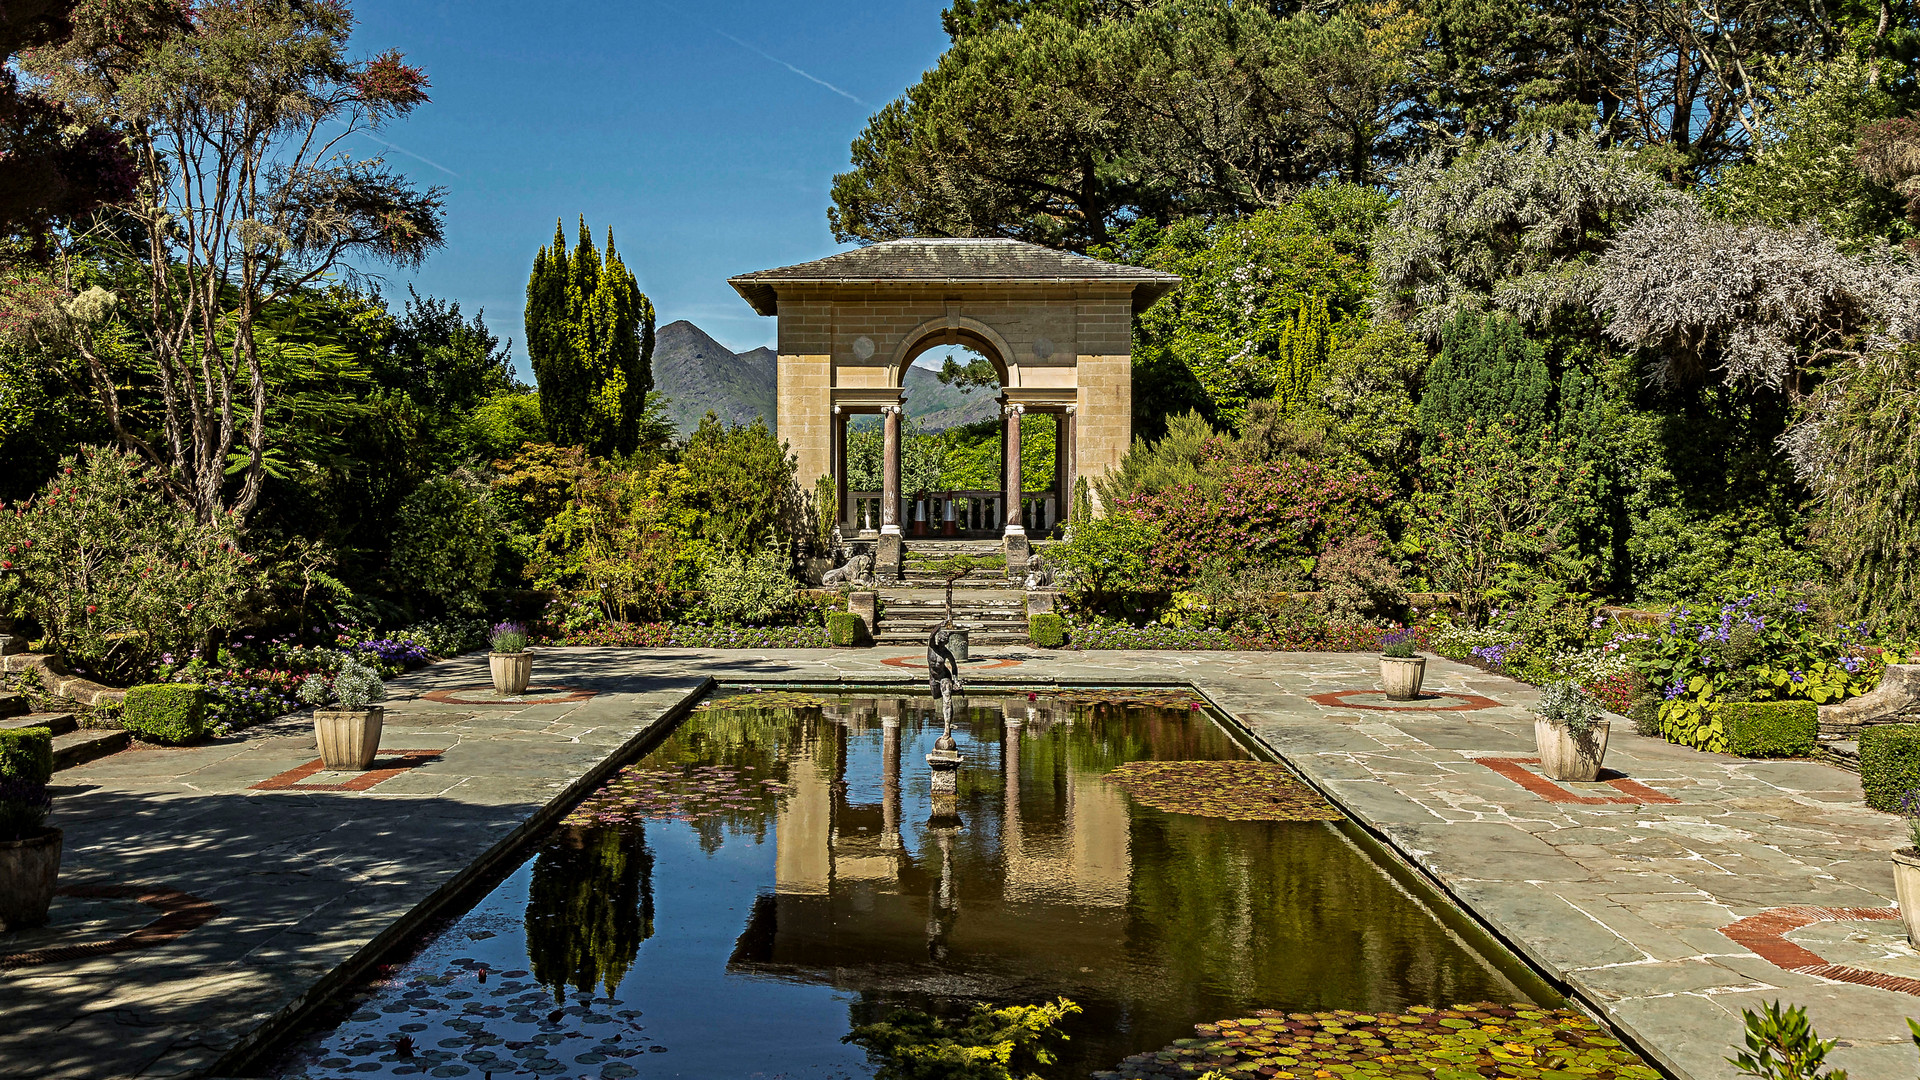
{"type": "Point", "coordinates": [1770, 728]}
{"type": "Point", "coordinates": [1889, 764]}
{"type": "Point", "coordinates": [845, 629]}
{"type": "Point", "coordinates": [1047, 630]}
{"type": "Point", "coordinates": [26, 755]}
{"type": "Point", "coordinates": [168, 713]}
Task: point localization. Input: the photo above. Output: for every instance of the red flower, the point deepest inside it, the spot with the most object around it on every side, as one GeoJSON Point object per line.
{"type": "Point", "coordinates": [91, 609]}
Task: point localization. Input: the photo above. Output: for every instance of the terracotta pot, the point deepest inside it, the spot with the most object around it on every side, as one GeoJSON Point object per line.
{"type": "Point", "coordinates": [511, 672]}
{"type": "Point", "coordinates": [349, 738]}
{"type": "Point", "coordinates": [1564, 757]}
{"type": "Point", "coordinates": [1401, 676]}
{"type": "Point", "coordinates": [28, 870]}
{"type": "Point", "coordinates": [957, 645]}
{"type": "Point", "coordinates": [1906, 889]}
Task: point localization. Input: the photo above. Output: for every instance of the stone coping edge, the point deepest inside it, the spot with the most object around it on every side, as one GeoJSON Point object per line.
{"type": "Point", "coordinates": [247, 1056]}
{"type": "Point", "coordinates": [1413, 864]}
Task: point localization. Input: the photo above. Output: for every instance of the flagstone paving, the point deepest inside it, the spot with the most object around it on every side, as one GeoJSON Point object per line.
{"type": "Point", "coordinates": [1622, 890]}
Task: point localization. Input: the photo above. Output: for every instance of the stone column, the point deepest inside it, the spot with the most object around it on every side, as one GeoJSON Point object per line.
{"type": "Point", "coordinates": [1015, 537]}
{"type": "Point", "coordinates": [845, 512]}
{"type": "Point", "coordinates": [890, 779]}
{"type": "Point", "coordinates": [1063, 457]}
{"type": "Point", "coordinates": [891, 550]}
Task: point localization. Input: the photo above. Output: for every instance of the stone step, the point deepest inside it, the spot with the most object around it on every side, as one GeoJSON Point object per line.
{"type": "Point", "coordinates": [974, 640]}
{"type": "Point", "coordinates": [57, 722]}
{"type": "Point", "coordinates": [80, 747]}
{"type": "Point", "coordinates": [1842, 752]}
{"type": "Point", "coordinates": [14, 705]}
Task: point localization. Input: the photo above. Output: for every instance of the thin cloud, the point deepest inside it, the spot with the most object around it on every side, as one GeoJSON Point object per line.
{"type": "Point", "coordinates": [765, 55]}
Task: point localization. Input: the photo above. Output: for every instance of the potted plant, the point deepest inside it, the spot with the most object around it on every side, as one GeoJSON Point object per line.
{"type": "Point", "coordinates": [1401, 668]}
{"type": "Point", "coordinates": [510, 662]}
{"type": "Point", "coordinates": [29, 850]}
{"type": "Point", "coordinates": [1906, 868]}
{"type": "Point", "coordinates": [1569, 733]}
{"type": "Point", "coordinates": [953, 569]}
{"type": "Point", "coordinates": [349, 733]}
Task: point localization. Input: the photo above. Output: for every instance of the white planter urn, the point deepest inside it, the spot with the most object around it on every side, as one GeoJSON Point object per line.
{"type": "Point", "coordinates": [349, 738]}
{"type": "Point", "coordinates": [1906, 889]}
{"type": "Point", "coordinates": [1400, 676]}
{"type": "Point", "coordinates": [511, 672]}
{"type": "Point", "coordinates": [1566, 757]}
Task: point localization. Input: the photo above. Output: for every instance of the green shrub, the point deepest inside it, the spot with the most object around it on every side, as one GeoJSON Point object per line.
{"type": "Point", "coordinates": [26, 764]}
{"type": "Point", "coordinates": [844, 629]}
{"type": "Point", "coordinates": [1047, 630]}
{"type": "Point", "coordinates": [1770, 728]}
{"type": "Point", "coordinates": [443, 542]}
{"type": "Point", "coordinates": [26, 754]}
{"type": "Point", "coordinates": [1889, 764]}
{"type": "Point", "coordinates": [748, 590]}
{"type": "Point", "coordinates": [170, 713]}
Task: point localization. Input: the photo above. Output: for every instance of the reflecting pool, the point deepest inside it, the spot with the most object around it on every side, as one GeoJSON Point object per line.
{"type": "Point", "coordinates": [771, 875]}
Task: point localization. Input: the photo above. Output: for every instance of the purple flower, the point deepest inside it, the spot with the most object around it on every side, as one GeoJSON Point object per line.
{"type": "Point", "coordinates": [1676, 690]}
{"type": "Point", "coordinates": [1851, 663]}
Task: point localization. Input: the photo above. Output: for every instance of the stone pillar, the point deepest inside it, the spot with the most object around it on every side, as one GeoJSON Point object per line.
{"type": "Point", "coordinates": [1016, 532]}
{"type": "Point", "coordinates": [891, 550]}
{"type": "Point", "coordinates": [1063, 463]}
{"type": "Point", "coordinates": [846, 515]}
{"type": "Point", "coordinates": [867, 606]}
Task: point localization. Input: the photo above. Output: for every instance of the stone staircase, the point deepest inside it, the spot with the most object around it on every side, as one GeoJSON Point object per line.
{"type": "Point", "coordinates": [990, 607]}
{"type": "Point", "coordinates": [72, 745]}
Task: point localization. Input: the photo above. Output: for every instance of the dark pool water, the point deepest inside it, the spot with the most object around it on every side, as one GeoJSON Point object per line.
{"type": "Point", "coordinates": [794, 880]}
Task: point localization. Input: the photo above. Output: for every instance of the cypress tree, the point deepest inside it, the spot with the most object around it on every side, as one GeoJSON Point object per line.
{"type": "Point", "coordinates": [1305, 342]}
{"type": "Point", "coordinates": [1487, 369]}
{"type": "Point", "coordinates": [590, 337]}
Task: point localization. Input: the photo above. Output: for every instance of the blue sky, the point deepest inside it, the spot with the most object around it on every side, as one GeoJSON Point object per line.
{"type": "Point", "coordinates": [683, 126]}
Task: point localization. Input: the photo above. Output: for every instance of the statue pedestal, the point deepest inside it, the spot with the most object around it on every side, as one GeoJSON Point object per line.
{"type": "Point", "coordinates": [946, 769]}
{"type": "Point", "coordinates": [888, 555]}
{"type": "Point", "coordinates": [1018, 552]}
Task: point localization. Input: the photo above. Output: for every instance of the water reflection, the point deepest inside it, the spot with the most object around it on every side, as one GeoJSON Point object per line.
{"type": "Point", "coordinates": [804, 877]}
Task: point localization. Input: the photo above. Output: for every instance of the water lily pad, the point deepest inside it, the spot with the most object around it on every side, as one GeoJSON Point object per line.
{"type": "Point", "coordinates": [1465, 1042]}
{"type": "Point", "coordinates": [1235, 790]}
{"type": "Point", "coordinates": [763, 699]}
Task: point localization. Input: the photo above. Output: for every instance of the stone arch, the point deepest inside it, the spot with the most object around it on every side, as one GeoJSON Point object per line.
{"type": "Point", "coordinates": [952, 330]}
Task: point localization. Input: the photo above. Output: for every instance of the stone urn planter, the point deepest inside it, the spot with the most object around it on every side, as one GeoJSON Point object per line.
{"type": "Point", "coordinates": [28, 871]}
{"type": "Point", "coordinates": [957, 645]}
{"type": "Point", "coordinates": [1401, 676]}
{"type": "Point", "coordinates": [1906, 889]}
{"type": "Point", "coordinates": [1565, 755]}
{"type": "Point", "coordinates": [349, 738]}
{"type": "Point", "coordinates": [511, 672]}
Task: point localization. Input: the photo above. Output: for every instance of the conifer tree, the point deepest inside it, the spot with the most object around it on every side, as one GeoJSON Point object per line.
{"type": "Point", "coordinates": [1305, 343]}
{"type": "Point", "coordinates": [1487, 369]}
{"type": "Point", "coordinates": [590, 337]}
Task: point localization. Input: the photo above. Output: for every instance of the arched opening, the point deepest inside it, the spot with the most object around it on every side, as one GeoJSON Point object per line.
{"type": "Point", "coordinates": [952, 451]}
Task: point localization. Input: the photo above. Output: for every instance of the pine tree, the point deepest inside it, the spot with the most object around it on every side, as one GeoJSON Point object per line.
{"type": "Point", "coordinates": [1487, 369]}
{"type": "Point", "coordinates": [1305, 343]}
{"type": "Point", "coordinates": [590, 337]}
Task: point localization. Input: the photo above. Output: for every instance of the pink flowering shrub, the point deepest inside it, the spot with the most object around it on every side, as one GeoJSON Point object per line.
{"type": "Point", "coordinates": [112, 571]}
{"type": "Point", "coordinates": [1261, 513]}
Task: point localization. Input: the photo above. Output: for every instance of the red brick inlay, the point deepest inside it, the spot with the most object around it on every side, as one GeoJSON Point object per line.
{"type": "Point", "coordinates": [179, 913]}
{"type": "Point", "coordinates": [970, 665]}
{"type": "Point", "coordinates": [1765, 935]}
{"type": "Point", "coordinates": [1337, 699]}
{"type": "Point", "coordinates": [535, 695]}
{"type": "Point", "coordinates": [397, 762]}
{"type": "Point", "coordinates": [1632, 792]}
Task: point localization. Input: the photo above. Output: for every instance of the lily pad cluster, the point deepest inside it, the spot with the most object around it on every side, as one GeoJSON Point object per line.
{"type": "Point", "coordinates": [1235, 790]}
{"type": "Point", "coordinates": [672, 793]}
{"type": "Point", "coordinates": [1465, 1042]}
{"type": "Point", "coordinates": [463, 1023]}
{"type": "Point", "coordinates": [1155, 699]}
{"type": "Point", "coordinates": [763, 699]}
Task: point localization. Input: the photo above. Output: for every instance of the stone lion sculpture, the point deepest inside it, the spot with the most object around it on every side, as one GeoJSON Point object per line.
{"type": "Point", "coordinates": [1039, 575]}
{"type": "Point", "coordinates": [858, 570]}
